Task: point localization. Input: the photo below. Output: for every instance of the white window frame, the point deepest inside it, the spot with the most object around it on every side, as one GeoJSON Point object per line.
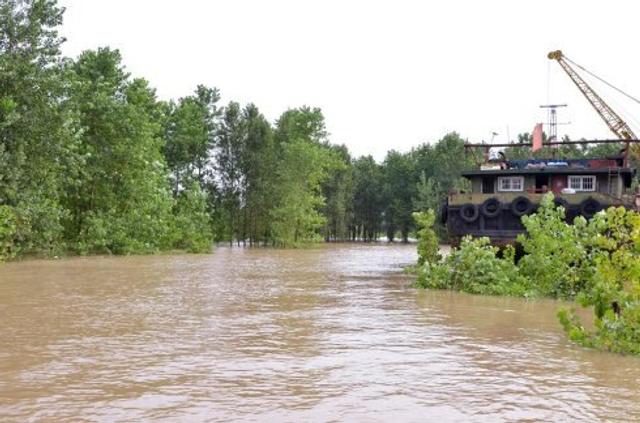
{"type": "Point", "coordinates": [580, 186]}
{"type": "Point", "coordinates": [511, 179]}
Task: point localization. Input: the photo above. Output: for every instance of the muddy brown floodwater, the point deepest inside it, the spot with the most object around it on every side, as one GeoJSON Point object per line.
{"type": "Point", "coordinates": [327, 334]}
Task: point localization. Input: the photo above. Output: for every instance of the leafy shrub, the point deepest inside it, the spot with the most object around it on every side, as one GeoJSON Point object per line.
{"type": "Point", "coordinates": [427, 238]}
{"type": "Point", "coordinates": [192, 222]}
{"type": "Point", "coordinates": [613, 288]}
{"type": "Point", "coordinates": [8, 231]}
{"type": "Point", "coordinates": [597, 263]}
{"type": "Point", "coordinates": [39, 225]}
{"type": "Point", "coordinates": [476, 268]}
{"type": "Point", "coordinates": [554, 251]}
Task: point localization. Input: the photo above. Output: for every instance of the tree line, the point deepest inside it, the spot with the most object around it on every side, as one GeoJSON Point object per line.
{"type": "Point", "coordinates": [91, 161]}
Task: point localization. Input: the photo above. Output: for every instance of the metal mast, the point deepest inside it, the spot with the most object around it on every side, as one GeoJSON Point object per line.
{"type": "Point", "coordinates": [553, 120]}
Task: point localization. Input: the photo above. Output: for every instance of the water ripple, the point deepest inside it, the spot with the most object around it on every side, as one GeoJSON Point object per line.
{"type": "Point", "coordinates": [328, 334]}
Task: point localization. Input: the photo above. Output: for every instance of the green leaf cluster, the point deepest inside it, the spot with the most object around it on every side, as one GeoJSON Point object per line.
{"type": "Point", "coordinates": [595, 262]}
{"type": "Point", "coordinates": [428, 246]}
{"type": "Point", "coordinates": [8, 233]}
{"type": "Point", "coordinates": [82, 167]}
{"type": "Point", "coordinates": [475, 268]}
{"type": "Point", "coordinates": [613, 288]}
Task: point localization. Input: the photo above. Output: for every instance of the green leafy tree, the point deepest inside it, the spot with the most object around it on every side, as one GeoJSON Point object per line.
{"type": "Point", "coordinates": [190, 130]}
{"type": "Point", "coordinates": [121, 203]}
{"type": "Point", "coordinates": [303, 164]}
{"type": "Point", "coordinates": [428, 248]}
{"type": "Point", "coordinates": [8, 232]}
{"type": "Point", "coordinates": [338, 192]}
{"type": "Point", "coordinates": [192, 222]}
{"type": "Point", "coordinates": [553, 257]}
{"type": "Point", "coordinates": [36, 132]}
{"type": "Point", "coordinates": [367, 199]}
{"type": "Point", "coordinates": [399, 192]}
{"type": "Point", "coordinates": [438, 171]}
{"type": "Point", "coordinates": [304, 123]}
{"type": "Point", "coordinates": [229, 152]}
{"type": "Point", "coordinates": [296, 217]}
{"type": "Point", "coordinates": [258, 167]}
{"type": "Point", "coordinates": [612, 285]}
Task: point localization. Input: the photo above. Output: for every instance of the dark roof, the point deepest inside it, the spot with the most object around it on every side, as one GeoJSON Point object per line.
{"type": "Point", "coordinates": [551, 170]}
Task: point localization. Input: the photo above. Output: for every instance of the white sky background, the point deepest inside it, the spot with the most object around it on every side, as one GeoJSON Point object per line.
{"type": "Point", "coordinates": [387, 74]}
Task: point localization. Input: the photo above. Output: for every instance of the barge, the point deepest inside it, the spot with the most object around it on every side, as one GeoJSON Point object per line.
{"type": "Point", "coordinates": [504, 191]}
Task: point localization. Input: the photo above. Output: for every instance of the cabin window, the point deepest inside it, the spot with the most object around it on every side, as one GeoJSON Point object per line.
{"type": "Point", "coordinates": [582, 183]}
{"type": "Point", "coordinates": [510, 183]}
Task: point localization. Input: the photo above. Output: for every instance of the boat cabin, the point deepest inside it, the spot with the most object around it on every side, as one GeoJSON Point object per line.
{"type": "Point", "coordinates": [504, 191]}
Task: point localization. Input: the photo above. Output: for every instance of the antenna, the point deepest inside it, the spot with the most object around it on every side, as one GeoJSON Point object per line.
{"type": "Point", "coordinates": [552, 117]}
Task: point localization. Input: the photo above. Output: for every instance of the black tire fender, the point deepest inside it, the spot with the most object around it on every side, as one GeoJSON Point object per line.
{"type": "Point", "coordinates": [444, 213]}
{"type": "Point", "coordinates": [521, 206]}
{"type": "Point", "coordinates": [561, 202]}
{"type": "Point", "coordinates": [491, 207]}
{"type": "Point", "coordinates": [589, 207]}
{"type": "Point", "coordinates": [469, 212]}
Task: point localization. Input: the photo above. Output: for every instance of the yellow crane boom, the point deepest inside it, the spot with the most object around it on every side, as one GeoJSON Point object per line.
{"type": "Point", "coordinates": [617, 125]}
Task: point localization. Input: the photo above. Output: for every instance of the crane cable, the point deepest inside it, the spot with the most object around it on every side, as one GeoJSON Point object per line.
{"type": "Point", "coordinates": [602, 80]}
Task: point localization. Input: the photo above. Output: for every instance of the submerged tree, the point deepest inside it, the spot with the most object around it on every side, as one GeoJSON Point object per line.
{"type": "Point", "coordinates": [190, 130]}
{"type": "Point", "coordinates": [121, 202]}
{"type": "Point", "coordinates": [258, 165]}
{"type": "Point", "coordinates": [367, 199]}
{"type": "Point", "coordinates": [91, 161]}
{"type": "Point", "coordinates": [399, 192]}
{"type": "Point", "coordinates": [37, 139]}
{"type": "Point", "coordinates": [338, 192]}
{"type": "Point", "coordinates": [303, 164]}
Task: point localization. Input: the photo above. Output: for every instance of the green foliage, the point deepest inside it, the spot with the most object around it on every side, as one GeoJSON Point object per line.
{"type": "Point", "coordinates": [189, 133]}
{"type": "Point", "coordinates": [301, 123]}
{"type": "Point", "coordinates": [428, 248]}
{"type": "Point", "coordinates": [122, 203]}
{"type": "Point", "coordinates": [476, 269]}
{"type": "Point", "coordinates": [92, 162]}
{"type": "Point", "coordinates": [596, 262]}
{"type": "Point", "coordinates": [230, 147]}
{"type": "Point", "coordinates": [398, 190]}
{"type": "Point", "coordinates": [36, 136]}
{"type": "Point", "coordinates": [295, 217]}
{"type": "Point", "coordinates": [367, 199]}
{"type": "Point", "coordinates": [554, 251]}
{"type": "Point", "coordinates": [192, 222]}
{"type": "Point", "coordinates": [8, 232]}
{"type": "Point", "coordinates": [258, 163]}
{"type": "Point", "coordinates": [437, 172]}
{"type": "Point", "coordinates": [568, 150]}
{"type": "Point", "coordinates": [338, 190]}
{"type": "Point", "coordinates": [613, 288]}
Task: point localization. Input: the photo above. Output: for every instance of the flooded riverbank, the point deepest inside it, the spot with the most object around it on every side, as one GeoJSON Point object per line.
{"type": "Point", "coordinates": [333, 333]}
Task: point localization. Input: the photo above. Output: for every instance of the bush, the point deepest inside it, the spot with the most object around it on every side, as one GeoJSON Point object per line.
{"type": "Point", "coordinates": [8, 232]}
{"type": "Point", "coordinates": [613, 285]}
{"type": "Point", "coordinates": [476, 268]}
{"type": "Point", "coordinates": [428, 248]}
{"type": "Point", "coordinates": [192, 222]}
{"type": "Point", "coordinates": [597, 263]}
{"type": "Point", "coordinates": [554, 250]}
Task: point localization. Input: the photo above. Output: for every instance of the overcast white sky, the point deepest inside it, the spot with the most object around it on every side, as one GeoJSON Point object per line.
{"type": "Point", "coordinates": [387, 74]}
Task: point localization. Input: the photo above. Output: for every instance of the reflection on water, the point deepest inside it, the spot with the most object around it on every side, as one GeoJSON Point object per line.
{"type": "Point", "coordinates": [333, 333]}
